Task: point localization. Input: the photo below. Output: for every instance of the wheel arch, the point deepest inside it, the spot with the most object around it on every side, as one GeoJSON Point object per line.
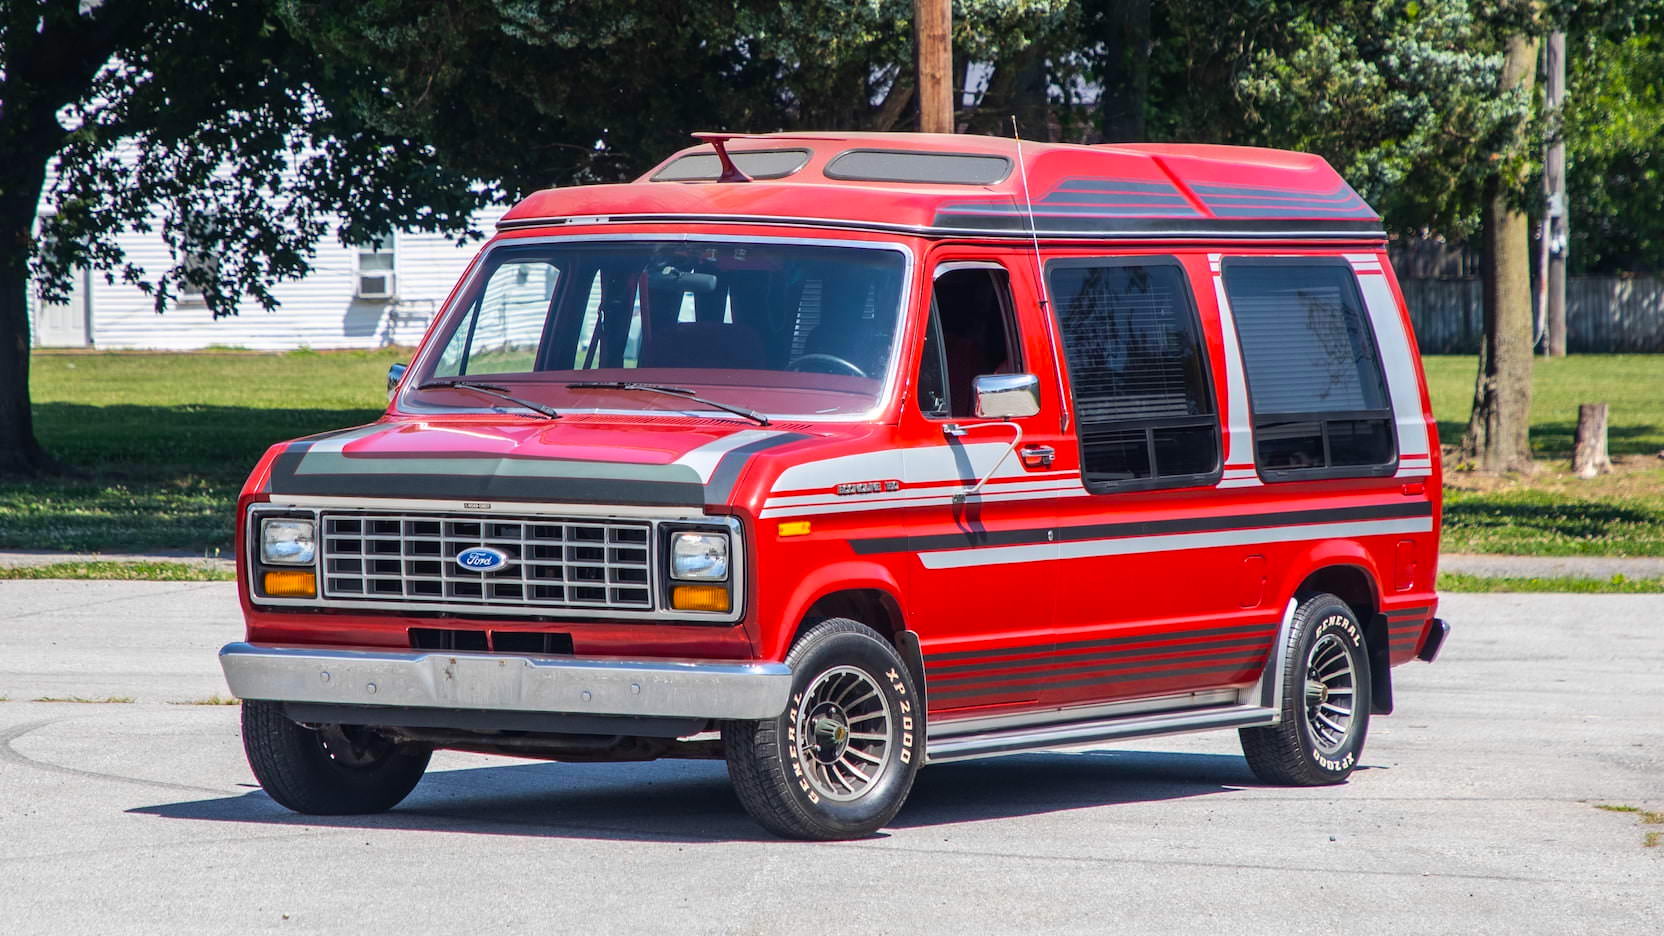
{"type": "Point", "coordinates": [864, 592]}
{"type": "Point", "coordinates": [1351, 575]}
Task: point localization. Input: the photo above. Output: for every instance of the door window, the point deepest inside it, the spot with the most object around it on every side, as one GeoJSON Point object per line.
{"type": "Point", "coordinates": [1315, 385]}
{"type": "Point", "coordinates": [970, 334]}
{"type": "Point", "coordinates": [1143, 400]}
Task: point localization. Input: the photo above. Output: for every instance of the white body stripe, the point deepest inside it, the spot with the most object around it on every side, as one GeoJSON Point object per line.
{"type": "Point", "coordinates": [1239, 449]}
{"type": "Point", "coordinates": [704, 458]}
{"type": "Point", "coordinates": [1400, 365]}
{"type": "Point", "coordinates": [1167, 542]}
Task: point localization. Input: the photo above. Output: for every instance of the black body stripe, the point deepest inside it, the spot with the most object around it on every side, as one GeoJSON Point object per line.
{"type": "Point", "coordinates": [1163, 662]}
{"type": "Point", "coordinates": [493, 487]}
{"type": "Point", "coordinates": [1408, 613]}
{"type": "Point", "coordinates": [1094, 531]}
{"type": "Point", "coordinates": [728, 467]}
{"type": "Point", "coordinates": [1014, 223]}
{"type": "Point", "coordinates": [1096, 681]}
{"type": "Point", "coordinates": [933, 658]}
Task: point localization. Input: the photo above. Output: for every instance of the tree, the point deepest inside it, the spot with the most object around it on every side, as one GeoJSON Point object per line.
{"type": "Point", "coordinates": [545, 92]}
{"type": "Point", "coordinates": [1498, 436]}
{"type": "Point", "coordinates": [205, 122]}
{"type": "Point", "coordinates": [1614, 119]}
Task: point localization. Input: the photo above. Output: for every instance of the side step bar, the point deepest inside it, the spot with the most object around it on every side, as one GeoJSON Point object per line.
{"type": "Point", "coordinates": [951, 747]}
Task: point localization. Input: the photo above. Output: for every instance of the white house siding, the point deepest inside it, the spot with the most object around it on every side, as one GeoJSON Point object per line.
{"type": "Point", "coordinates": [318, 311]}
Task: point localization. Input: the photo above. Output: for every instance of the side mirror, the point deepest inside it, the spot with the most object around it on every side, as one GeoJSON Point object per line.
{"type": "Point", "coordinates": [395, 373]}
{"type": "Point", "coordinates": [1007, 396]}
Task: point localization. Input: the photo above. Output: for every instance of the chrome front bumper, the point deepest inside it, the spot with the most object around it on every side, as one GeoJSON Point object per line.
{"type": "Point", "coordinates": [494, 682]}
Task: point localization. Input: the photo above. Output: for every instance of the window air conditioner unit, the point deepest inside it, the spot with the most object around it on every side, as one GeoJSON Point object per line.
{"type": "Point", "coordinates": [375, 285]}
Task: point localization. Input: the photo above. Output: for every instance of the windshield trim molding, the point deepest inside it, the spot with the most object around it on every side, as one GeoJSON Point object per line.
{"type": "Point", "coordinates": [403, 404]}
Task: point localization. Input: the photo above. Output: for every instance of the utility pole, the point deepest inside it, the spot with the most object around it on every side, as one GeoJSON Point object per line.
{"type": "Point", "coordinates": [1555, 219]}
{"type": "Point", "coordinates": [932, 32]}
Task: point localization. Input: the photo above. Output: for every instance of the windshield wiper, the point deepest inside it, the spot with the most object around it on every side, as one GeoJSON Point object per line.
{"type": "Point", "coordinates": [682, 392]}
{"type": "Point", "coordinates": [491, 390]}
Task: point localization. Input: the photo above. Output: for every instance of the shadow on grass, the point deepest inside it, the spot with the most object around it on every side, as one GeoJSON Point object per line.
{"type": "Point", "coordinates": [1572, 518]}
{"type": "Point", "coordinates": [153, 477]}
{"type": "Point", "coordinates": [166, 442]}
{"type": "Point", "coordinates": [693, 801]}
{"type": "Point", "coordinates": [1554, 439]}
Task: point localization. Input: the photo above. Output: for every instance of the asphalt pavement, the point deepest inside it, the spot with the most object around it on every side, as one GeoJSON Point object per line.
{"type": "Point", "coordinates": [1475, 810]}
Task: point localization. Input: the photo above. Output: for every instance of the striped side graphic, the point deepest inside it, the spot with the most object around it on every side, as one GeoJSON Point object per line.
{"type": "Point", "coordinates": [321, 466]}
{"type": "Point", "coordinates": [1247, 201]}
{"type": "Point", "coordinates": [999, 547]}
{"type": "Point", "coordinates": [927, 476]}
{"type": "Point", "coordinates": [1219, 655]}
{"type": "Point", "coordinates": [1404, 629]}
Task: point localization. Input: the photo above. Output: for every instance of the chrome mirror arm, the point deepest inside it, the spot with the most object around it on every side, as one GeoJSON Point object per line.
{"type": "Point", "coordinates": [954, 430]}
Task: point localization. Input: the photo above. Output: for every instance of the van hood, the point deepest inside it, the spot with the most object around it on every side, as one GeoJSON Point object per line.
{"type": "Point", "coordinates": [574, 460]}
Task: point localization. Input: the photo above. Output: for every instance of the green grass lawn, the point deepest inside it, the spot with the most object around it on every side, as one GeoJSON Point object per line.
{"type": "Point", "coordinates": [1555, 513]}
{"type": "Point", "coordinates": [166, 439]}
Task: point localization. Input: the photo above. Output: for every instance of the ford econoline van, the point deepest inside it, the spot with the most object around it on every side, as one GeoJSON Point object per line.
{"type": "Point", "coordinates": [836, 455]}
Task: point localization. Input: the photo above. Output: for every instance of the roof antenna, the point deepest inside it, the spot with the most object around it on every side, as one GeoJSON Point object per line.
{"type": "Point", "coordinates": [1040, 279]}
{"type": "Point", "coordinates": [719, 142]}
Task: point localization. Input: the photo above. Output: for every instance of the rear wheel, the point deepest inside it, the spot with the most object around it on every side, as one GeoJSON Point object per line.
{"type": "Point", "coordinates": [839, 762]}
{"type": "Point", "coordinates": [1325, 701]}
{"type": "Point", "coordinates": [331, 770]}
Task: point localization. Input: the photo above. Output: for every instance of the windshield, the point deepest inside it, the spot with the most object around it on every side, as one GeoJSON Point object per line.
{"type": "Point", "coordinates": [784, 329]}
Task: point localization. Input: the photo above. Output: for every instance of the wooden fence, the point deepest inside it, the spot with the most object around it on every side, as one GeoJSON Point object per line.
{"type": "Point", "coordinates": [1603, 314]}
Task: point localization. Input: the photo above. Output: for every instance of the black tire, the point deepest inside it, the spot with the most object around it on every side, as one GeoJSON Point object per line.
{"type": "Point", "coordinates": [796, 774]}
{"type": "Point", "coordinates": [1325, 671]}
{"type": "Point", "coordinates": [332, 771]}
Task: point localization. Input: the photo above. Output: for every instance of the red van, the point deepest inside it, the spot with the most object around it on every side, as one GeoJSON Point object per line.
{"type": "Point", "coordinates": [834, 455]}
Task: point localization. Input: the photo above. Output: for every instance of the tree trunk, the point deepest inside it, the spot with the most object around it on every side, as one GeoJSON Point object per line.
{"type": "Point", "coordinates": [1498, 436]}
{"type": "Point", "coordinates": [1589, 456]}
{"type": "Point", "coordinates": [21, 181]}
{"type": "Point", "coordinates": [1126, 72]}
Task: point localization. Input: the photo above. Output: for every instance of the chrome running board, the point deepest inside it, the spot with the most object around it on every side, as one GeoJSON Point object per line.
{"type": "Point", "coordinates": [944, 745]}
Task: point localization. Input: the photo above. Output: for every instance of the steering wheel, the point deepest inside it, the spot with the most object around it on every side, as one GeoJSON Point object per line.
{"type": "Point", "coordinates": [842, 365]}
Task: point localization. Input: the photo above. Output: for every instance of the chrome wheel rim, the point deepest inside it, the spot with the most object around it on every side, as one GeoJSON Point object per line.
{"type": "Point", "coordinates": [843, 733]}
{"type": "Point", "coordinates": [1330, 693]}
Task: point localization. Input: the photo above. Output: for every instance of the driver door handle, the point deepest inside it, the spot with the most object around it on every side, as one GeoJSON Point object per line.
{"type": "Point", "coordinates": [1037, 456]}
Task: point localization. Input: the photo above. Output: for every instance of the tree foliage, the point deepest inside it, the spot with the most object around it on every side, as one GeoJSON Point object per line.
{"type": "Point", "coordinates": [541, 92]}
{"type": "Point", "coordinates": [1614, 127]}
{"type": "Point", "coordinates": [210, 126]}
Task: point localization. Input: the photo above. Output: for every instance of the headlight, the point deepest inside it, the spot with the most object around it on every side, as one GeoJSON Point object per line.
{"type": "Point", "coordinates": [699, 557]}
{"type": "Point", "coordinates": [288, 542]}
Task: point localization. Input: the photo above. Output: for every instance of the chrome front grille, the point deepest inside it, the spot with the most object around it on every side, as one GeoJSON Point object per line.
{"type": "Point", "coordinates": [552, 562]}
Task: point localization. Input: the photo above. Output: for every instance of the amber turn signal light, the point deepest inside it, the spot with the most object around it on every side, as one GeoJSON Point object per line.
{"type": "Point", "coordinates": [291, 584]}
{"type": "Point", "coordinates": [700, 598]}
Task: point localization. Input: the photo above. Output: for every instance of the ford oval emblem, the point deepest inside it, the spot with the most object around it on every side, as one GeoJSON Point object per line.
{"type": "Point", "coordinates": [481, 559]}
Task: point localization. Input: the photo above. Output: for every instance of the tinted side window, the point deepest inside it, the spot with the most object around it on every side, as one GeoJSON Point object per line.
{"type": "Point", "coordinates": [1142, 398]}
{"type": "Point", "coordinates": [970, 335]}
{"type": "Point", "coordinates": [1315, 384]}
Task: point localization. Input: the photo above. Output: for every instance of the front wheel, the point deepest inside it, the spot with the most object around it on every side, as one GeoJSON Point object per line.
{"type": "Point", "coordinates": [1325, 702]}
{"type": "Point", "coordinates": [839, 762]}
{"type": "Point", "coordinates": [331, 770]}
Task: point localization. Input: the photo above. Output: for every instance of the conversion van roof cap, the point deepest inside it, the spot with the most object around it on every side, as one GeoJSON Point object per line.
{"type": "Point", "coordinates": [958, 185]}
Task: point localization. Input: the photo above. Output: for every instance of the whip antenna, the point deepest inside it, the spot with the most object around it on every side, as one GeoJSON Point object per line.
{"type": "Point", "coordinates": [1040, 277]}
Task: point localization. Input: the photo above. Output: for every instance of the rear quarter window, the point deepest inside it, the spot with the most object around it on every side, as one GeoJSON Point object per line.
{"type": "Point", "coordinates": [1315, 384]}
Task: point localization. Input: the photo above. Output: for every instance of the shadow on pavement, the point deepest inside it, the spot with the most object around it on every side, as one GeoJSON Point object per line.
{"type": "Point", "coordinates": [691, 801]}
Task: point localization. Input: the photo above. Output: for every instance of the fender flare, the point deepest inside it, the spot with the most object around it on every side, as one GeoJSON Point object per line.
{"type": "Point", "coordinates": [1329, 554]}
{"type": "Point", "coordinates": [845, 575]}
